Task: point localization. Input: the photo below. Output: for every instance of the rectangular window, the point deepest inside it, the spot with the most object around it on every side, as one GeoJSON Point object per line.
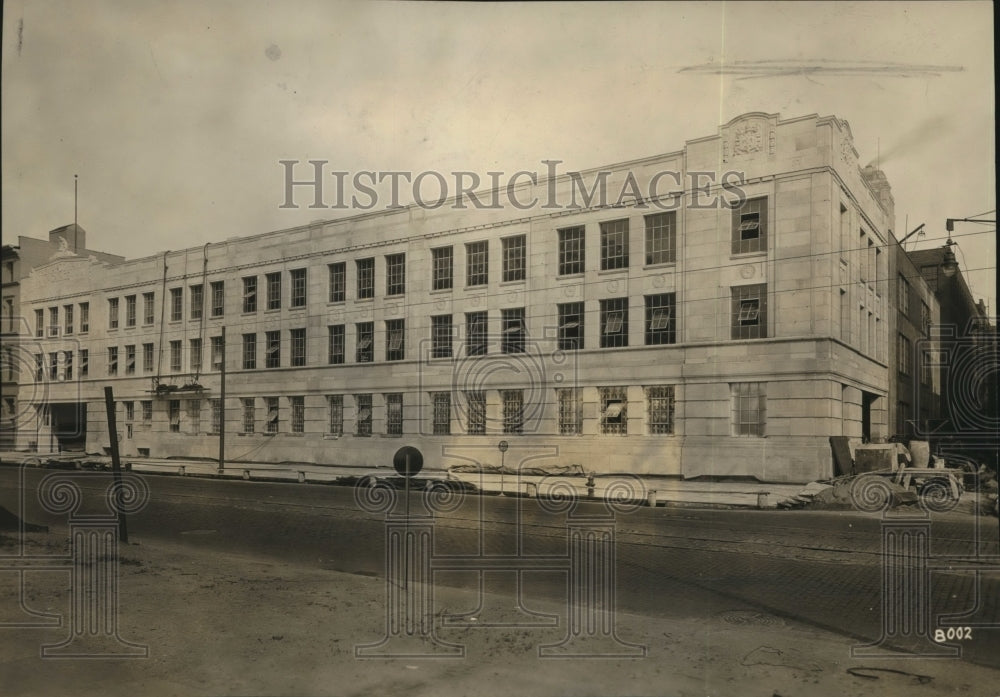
{"type": "Point", "coordinates": [196, 296]}
{"type": "Point", "coordinates": [147, 412]}
{"type": "Point", "coordinates": [39, 367]}
{"type": "Point", "coordinates": [926, 361]}
{"type": "Point", "coordinates": [112, 314]}
{"type": "Point", "coordinates": [54, 366]}
{"type": "Point", "coordinates": [365, 351]}
{"type": "Point", "coordinates": [925, 318]}
{"type": "Point", "coordinates": [845, 317]}
{"type": "Point", "coordinates": [660, 409]}
{"type": "Point", "coordinates": [905, 355]}
{"type": "Point", "coordinates": [249, 416]}
{"type": "Point", "coordinates": [514, 257]}
{"type": "Point", "coordinates": [271, 415]}
{"type": "Point", "coordinates": [298, 341]}
{"type": "Point", "coordinates": [147, 358]}
{"type": "Point", "coordinates": [395, 339]}
{"type": "Point", "coordinates": [749, 311]}
{"type": "Point", "coordinates": [67, 319]}
{"type": "Point", "coordinates": [394, 414]}
{"type": "Point", "coordinates": [215, 407]}
{"type": "Point", "coordinates": [130, 310]}
{"type": "Point", "coordinates": [570, 326]}
{"type": "Point", "coordinates": [570, 410]}
{"type": "Point", "coordinates": [660, 325]}
{"type": "Point", "coordinates": [572, 252]}
{"type": "Point", "coordinates": [298, 405]}
{"type": "Point", "coordinates": [148, 308]}
{"type": "Point", "coordinates": [112, 360]}
{"type": "Point", "coordinates": [217, 350]}
{"type": "Point", "coordinates": [272, 349]}
{"type": "Point", "coordinates": [335, 404]}
{"type": "Point", "coordinates": [475, 333]}
{"type": "Point", "coordinates": [218, 298]}
{"type": "Point", "coordinates": [69, 365]}
{"type": "Point", "coordinates": [477, 263]}
{"type": "Point", "coordinates": [442, 268]}
{"type": "Point", "coordinates": [273, 281]}
{"type": "Point", "coordinates": [395, 274]}
{"type": "Point", "coordinates": [338, 282]}
{"type": "Point", "coordinates": [84, 362]}
{"type": "Point", "coordinates": [512, 330]}
{"type": "Point", "coordinates": [904, 295]}
{"type": "Point", "coordinates": [176, 304]}
{"type": "Point", "coordinates": [476, 402]}
{"type": "Point", "coordinates": [363, 415]}
{"type": "Point", "coordinates": [336, 352]}
{"type": "Point", "coordinates": [298, 287]}
{"type": "Point", "coordinates": [513, 411]}
{"type": "Point", "coordinates": [614, 322]}
{"type": "Point", "coordinates": [366, 278]}
{"type": "Point", "coordinates": [250, 294]}
{"type": "Point", "coordinates": [194, 416]}
{"type": "Point", "coordinates": [129, 411]}
{"type": "Point", "coordinates": [249, 351]}
{"type": "Point", "coordinates": [442, 413]}
{"type": "Point", "coordinates": [441, 334]}
{"type": "Point", "coordinates": [614, 410]}
{"type": "Point", "coordinates": [84, 318]}
{"type": "Point", "coordinates": [614, 244]}
{"type": "Point", "coordinates": [194, 355]}
{"type": "Point", "coordinates": [39, 323]}
{"type": "Point", "coordinates": [750, 226]}
{"type": "Point", "coordinates": [130, 359]}
{"type": "Point", "coordinates": [54, 321]}
{"type": "Point", "coordinates": [174, 414]}
{"type": "Point", "coordinates": [661, 238]}
{"type": "Point", "coordinates": [749, 408]}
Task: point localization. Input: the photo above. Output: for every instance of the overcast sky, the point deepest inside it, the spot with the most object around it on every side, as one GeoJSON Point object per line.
{"type": "Point", "coordinates": [176, 113]}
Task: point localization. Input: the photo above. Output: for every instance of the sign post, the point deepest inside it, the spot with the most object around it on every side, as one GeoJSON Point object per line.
{"type": "Point", "coordinates": [502, 447]}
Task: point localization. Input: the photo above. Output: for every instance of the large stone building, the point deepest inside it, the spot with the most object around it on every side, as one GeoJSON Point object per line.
{"type": "Point", "coordinates": [676, 336]}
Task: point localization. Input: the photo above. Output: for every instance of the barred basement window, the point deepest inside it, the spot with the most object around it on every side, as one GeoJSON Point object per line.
{"type": "Point", "coordinates": [130, 359]}
{"type": "Point", "coordinates": [84, 318]}
{"type": "Point", "coordinates": [476, 404]}
{"type": "Point", "coordinates": [147, 358]}
{"type": "Point", "coordinates": [441, 334]}
{"type": "Point", "coordinates": [660, 405]}
{"type": "Point", "coordinates": [660, 238]}
{"type": "Point", "coordinates": [395, 345]}
{"type": "Point", "coordinates": [514, 258]}
{"type": "Point", "coordinates": [338, 281]}
{"type": "Point", "coordinates": [271, 415]}
{"type": "Point", "coordinates": [570, 410]}
{"type": "Point", "coordinates": [129, 310]}
{"type": "Point", "coordinates": [363, 415]}
{"type": "Point", "coordinates": [194, 361]}
{"type": "Point", "coordinates": [174, 414]}
{"type": "Point", "coordinates": [249, 351]}
{"type": "Point", "coordinates": [394, 414]}
{"type": "Point", "coordinates": [273, 281]}
{"type": "Point", "coordinates": [475, 333]}
{"type": "Point", "coordinates": [217, 352]}
{"type": "Point", "coordinates": [248, 404]}
{"type": "Point", "coordinates": [442, 268]}
{"type": "Point", "coordinates": [112, 360]}
{"type": "Point", "coordinates": [298, 405]}
{"type": "Point", "coordinates": [197, 300]}
{"type": "Point", "coordinates": [614, 322]}
{"type": "Point", "coordinates": [442, 413]}
{"type": "Point", "coordinates": [395, 274]}
{"type": "Point", "coordinates": [272, 349]}
{"type": "Point", "coordinates": [298, 287]}
{"type": "Point", "coordinates": [570, 326]}
{"type": "Point", "coordinates": [750, 226]}
{"type": "Point", "coordinates": [660, 324]}
{"type": "Point", "coordinates": [194, 416]}
{"type": "Point", "coordinates": [176, 304]}
{"type": "Point", "coordinates": [366, 278]}
{"type": "Point", "coordinates": [250, 294]}
{"type": "Point", "coordinates": [512, 330]}
{"type": "Point", "coordinates": [335, 404]}
{"type": "Point", "coordinates": [749, 408]}
{"type": "Point", "coordinates": [112, 314]}
{"type": "Point", "coordinates": [365, 336]}
{"type": "Point", "coordinates": [572, 251]}
{"type": "Point", "coordinates": [147, 412]}
{"type": "Point", "coordinates": [218, 298]}
{"type": "Point", "coordinates": [175, 356]}
{"type": "Point", "coordinates": [614, 244]}
{"type": "Point", "coordinates": [148, 308]}
{"type": "Point", "coordinates": [298, 341]}
{"type": "Point", "coordinates": [215, 406]}
{"type": "Point", "coordinates": [477, 263]}
{"type": "Point", "coordinates": [749, 311]}
{"type": "Point", "coordinates": [336, 351]}
{"type": "Point", "coordinates": [614, 410]}
{"type": "Point", "coordinates": [513, 411]}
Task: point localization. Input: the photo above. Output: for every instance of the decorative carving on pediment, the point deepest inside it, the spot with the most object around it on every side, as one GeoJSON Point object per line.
{"type": "Point", "coordinates": [748, 138]}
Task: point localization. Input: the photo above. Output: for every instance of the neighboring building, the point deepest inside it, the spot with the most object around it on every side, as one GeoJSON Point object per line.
{"type": "Point", "coordinates": [700, 340]}
{"type": "Point", "coordinates": [17, 261]}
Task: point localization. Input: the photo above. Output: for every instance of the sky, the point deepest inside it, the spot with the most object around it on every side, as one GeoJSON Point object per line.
{"type": "Point", "coordinates": [175, 113]}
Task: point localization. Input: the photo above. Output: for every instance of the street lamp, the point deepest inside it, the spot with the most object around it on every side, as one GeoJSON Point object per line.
{"type": "Point", "coordinates": [502, 447]}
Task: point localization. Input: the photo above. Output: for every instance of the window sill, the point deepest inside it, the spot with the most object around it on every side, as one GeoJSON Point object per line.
{"type": "Point", "coordinates": [440, 291]}
{"type": "Point", "coordinates": [330, 436]}
{"type": "Point", "coordinates": [748, 255]}
{"type": "Point", "coordinates": [570, 276]}
{"type": "Point", "coordinates": [504, 284]}
{"type": "Point", "coordinates": [332, 303]}
{"type": "Point", "coordinates": [661, 265]}
{"type": "Point", "coordinates": [609, 272]}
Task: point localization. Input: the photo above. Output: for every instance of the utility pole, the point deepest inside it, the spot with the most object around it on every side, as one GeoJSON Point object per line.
{"type": "Point", "coordinates": [116, 465]}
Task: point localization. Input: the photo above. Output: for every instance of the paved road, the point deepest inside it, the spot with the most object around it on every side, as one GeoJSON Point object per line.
{"type": "Point", "coordinates": [824, 568]}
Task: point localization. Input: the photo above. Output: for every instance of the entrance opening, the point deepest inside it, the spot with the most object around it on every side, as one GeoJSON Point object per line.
{"type": "Point", "coordinates": [69, 426]}
{"type": "Point", "coordinates": [867, 399]}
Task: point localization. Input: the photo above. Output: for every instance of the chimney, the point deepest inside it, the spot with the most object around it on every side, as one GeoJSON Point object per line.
{"type": "Point", "coordinates": [876, 179]}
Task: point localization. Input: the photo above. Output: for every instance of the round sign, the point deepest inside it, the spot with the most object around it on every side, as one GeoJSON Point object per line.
{"type": "Point", "coordinates": [407, 461]}
{"type": "Point", "coordinates": [503, 445]}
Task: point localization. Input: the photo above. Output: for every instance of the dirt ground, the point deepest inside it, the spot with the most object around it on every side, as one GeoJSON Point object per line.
{"type": "Point", "coordinates": [218, 624]}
